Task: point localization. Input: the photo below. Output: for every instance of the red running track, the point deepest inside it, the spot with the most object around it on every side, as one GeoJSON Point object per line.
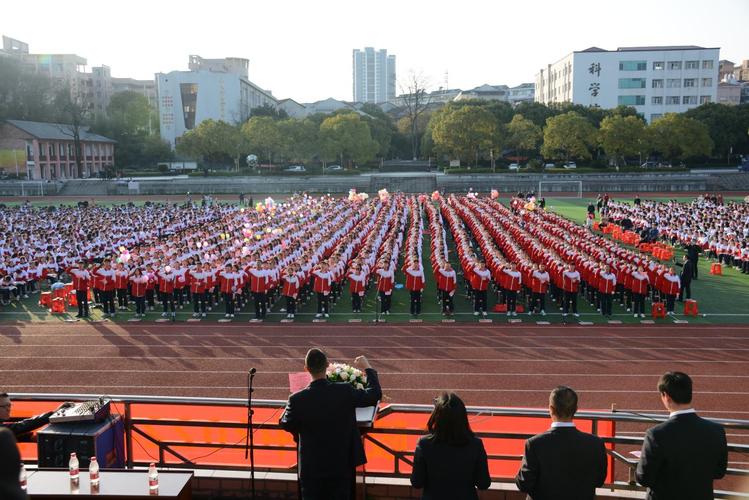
{"type": "Point", "coordinates": [488, 365]}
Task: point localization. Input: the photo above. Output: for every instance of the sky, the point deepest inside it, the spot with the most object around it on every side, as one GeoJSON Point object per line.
{"type": "Point", "coordinates": [303, 49]}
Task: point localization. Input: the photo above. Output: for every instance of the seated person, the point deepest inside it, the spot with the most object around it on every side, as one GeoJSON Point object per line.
{"type": "Point", "coordinates": [10, 468]}
{"type": "Point", "coordinates": [21, 427]}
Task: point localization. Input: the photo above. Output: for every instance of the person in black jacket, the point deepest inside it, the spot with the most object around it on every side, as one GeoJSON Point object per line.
{"type": "Point", "coordinates": [687, 271]}
{"type": "Point", "coordinates": [450, 462]}
{"type": "Point", "coordinates": [21, 427]}
{"type": "Point", "coordinates": [10, 467]}
{"type": "Point", "coordinates": [693, 253]}
{"type": "Point", "coordinates": [322, 419]}
{"type": "Point", "coordinates": [682, 456]}
{"type": "Point", "coordinates": [562, 463]}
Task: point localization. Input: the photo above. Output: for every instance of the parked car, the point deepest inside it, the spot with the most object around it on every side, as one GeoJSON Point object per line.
{"type": "Point", "coordinates": [549, 165]}
{"type": "Point", "coordinates": [514, 166]}
{"type": "Point", "coordinates": [334, 167]}
{"type": "Point", "coordinates": [295, 168]}
{"type": "Point", "coordinates": [744, 167]}
{"type": "Point", "coordinates": [570, 165]}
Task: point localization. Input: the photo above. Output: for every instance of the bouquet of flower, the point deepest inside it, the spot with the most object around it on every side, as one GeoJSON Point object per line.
{"type": "Point", "coordinates": [341, 372]}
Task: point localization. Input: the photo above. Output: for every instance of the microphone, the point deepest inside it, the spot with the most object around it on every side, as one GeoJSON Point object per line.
{"type": "Point", "coordinates": [630, 412]}
{"type": "Point", "coordinates": [253, 371]}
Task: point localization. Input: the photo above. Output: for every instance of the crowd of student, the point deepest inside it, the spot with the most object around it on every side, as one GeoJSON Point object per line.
{"type": "Point", "coordinates": [169, 256]}
{"type": "Point", "coordinates": [721, 230]}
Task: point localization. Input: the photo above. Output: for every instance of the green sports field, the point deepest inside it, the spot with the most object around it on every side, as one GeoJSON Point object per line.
{"type": "Point", "coordinates": [722, 298]}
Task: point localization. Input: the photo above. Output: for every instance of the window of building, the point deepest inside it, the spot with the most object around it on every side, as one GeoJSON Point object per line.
{"type": "Point", "coordinates": [658, 65]}
{"type": "Point", "coordinates": [674, 65]}
{"type": "Point", "coordinates": [632, 65]}
{"type": "Point", "coordinates": [704, 99]}
{"type": "Point", "coordinates": [707, 65]}
{"type": "Point", "coordinates": [631, 83]}
{"type": "Point", "coordinates": [673, 83]}
{"type": "Point", "coordinates": [707, 82]}
{"type": "Point", "coordinates": [689, 99]}
{"type": "Point", "coordinates": [631, 100]}
{"type": "Point", "coordinates": [692, 65]}
{"type": "Point", "coordinates": [29, 151]}
{"type": "Point", "coordinates": [690, 82]}
{"type": "Point", "coordinates": [657, 100]}
{"type": "Point", "coordinates": [62, 150]}
{"type": "Point", "coordinates": [672, 100]}
{"type": "Point", "coordinates": [655, 116]}
{"type": "Point", "coordinates": [658, 83]}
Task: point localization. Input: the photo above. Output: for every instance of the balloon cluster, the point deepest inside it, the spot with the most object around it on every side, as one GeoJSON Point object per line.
{"type": "Point", "coordinates": [124, 255]}
{"type": "Point", "coordinates": [494, 194]}
{"type": "Point", "coordinates": [383, 194]}
{"type": "Point", "coordinates": [435, 196]}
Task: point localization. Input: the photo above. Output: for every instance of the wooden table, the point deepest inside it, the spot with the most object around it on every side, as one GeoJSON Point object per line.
{"type": "Point", "coordinates": [52, 484]}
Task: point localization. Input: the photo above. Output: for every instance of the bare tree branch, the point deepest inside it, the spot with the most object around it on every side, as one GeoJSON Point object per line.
{"type": "Point", "coordinates": [415, 99]}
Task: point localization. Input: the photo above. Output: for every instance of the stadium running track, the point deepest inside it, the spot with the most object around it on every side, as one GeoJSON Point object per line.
{"type": "Point", "coordinates": [513, 365]}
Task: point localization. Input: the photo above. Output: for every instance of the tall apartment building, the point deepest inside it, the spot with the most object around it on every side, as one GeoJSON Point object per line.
{"type": "Point", "coordinates": [653, 80]}
{"type": "Point", "coordinates": [374, 75]}
{"type": "Point", "coordinates": [216, 89]}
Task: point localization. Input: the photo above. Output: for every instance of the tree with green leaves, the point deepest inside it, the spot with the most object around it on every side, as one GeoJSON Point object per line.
{"type": "Point", "coordinates": [23, 94]}
{"type": "Point", "coordinates": [678, 137]}
{"type": "Point", "coordinates": [567, 136]}
{"type": "Point", "coordinates": [523, 135]}
{"type": "Point", "coordinates": [299, 139]}
{"type": "Point", "coordinates": [347, 135]}
{"type": "Point", "coordinates": [268, 110]}
{"type": "Point", "coordinates": [622, 136]}
{"type": "Point", "coordinates": [74, 114]}
{"type": "Point", "coordinates": [214, 142]}
{"type": "Point", "coordinates": [263, 135]}
{"type": "Point", "coordinates": [536, 112]}
{"type": "Point", "coordinates": [727, 126]}
{"type": "Point", "coordinates": [465, 131]}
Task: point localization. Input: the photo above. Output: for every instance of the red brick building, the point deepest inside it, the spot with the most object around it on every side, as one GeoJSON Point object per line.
{"type": "Point", "coordinates": [46, 151]}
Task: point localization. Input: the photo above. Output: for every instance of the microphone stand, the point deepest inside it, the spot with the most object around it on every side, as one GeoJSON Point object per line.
{"type": "Point", "coordinates": [249, 446]}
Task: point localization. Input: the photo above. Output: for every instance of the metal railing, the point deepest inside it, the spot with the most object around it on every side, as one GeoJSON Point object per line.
{"type": "Point", "coordinates": [169, 455]}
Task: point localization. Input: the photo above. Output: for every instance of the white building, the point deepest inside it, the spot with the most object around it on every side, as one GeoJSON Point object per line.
{"type": "Point", "coordinates": [653, 80]}
{"type": "Point", "coordinates": [211, 91]}
{"type": "Point", "coordinates": [374, 75]}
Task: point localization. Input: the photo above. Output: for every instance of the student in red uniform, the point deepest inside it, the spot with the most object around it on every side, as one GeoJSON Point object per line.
{"type": "Point", "coordinates": [357, 286]}
{"type": "Point", "coordinates": [385, 282]}
{"type": "Point", "coordinates": [138, 285]}
{"type": "Point", "coordinates": [290, 290]}
{"type": "Point", "coordinates": [512, 286]}
{"type": "Point", "coordinates": [671, 284]}
{"type": "Point", "coordinates": [606, 288]}
{"type": "Point", "coordinates": [150, 287]}
{"type": "Point", "coordinates": [259, 284]}
{"type": "Point", "coordinates": [322, 288]}
{"type": "Point", "coordinates": [167, 278]}
{"type": "Point", "coordinates": [197, 279]}
{"type": "Point", "coordinates": [446, 284]}
{"type": "Point", "coordinates": [480, 284]}
{"type": "Point", "coordinates": [228, 285]}
{"type": "Point", "coordinates": [539, 287]}
{"type": "Point", "coordinates": [570, 286]}
{"type": "Point", "coordinates": [81, 280]}
{"type": "Point", "coordinates": [106, 280]}
{"type": "Point", "coordinates": [640, 282]}
{"type": "Point", "coordinates": [121, 282]}
{"type": "Point", "coordinates": [415, 285]}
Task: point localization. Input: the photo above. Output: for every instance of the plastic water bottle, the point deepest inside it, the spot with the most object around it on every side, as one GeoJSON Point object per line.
{"type": "Point", "coordinates": [22, 477]}
{"type": "Point", "coordinates": [74, 467]}
{"type": "Point", "coordinates": [93, 471]}
{"type": "Point", "coordinates": [153, 478]}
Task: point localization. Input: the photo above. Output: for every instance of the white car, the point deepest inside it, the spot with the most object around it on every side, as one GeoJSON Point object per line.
{"type": "Point", "coordinates": [334, 167]}
{"type": "Point", "coordinates": [570, 164]}
{"type": "Point", "coordinates": [295, 168]}
{"type": "Point", "coordinates": [549, 165]}
{"type": "Point", "coordinates": [514, 166]}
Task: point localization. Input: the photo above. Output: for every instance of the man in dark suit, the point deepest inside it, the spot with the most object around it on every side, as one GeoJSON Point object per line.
{"type": "Point", "coordinates": [693, 253]}
{"type": "Point", "coordinates": [22, 427]}
{"type": "Point", "coordinates": [687, 271]}
{"type": "Point", "coordinates": [322, 419]}
{"type": "Point", "coordinates": [562, 463]}
{"type": "Point", "coordinates": [683, 455]}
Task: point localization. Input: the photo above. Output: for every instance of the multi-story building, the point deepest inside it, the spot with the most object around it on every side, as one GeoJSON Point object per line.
{"type": "Point", "coordinates": [210, 90]}
{"type": "Point", "coordinates": [374, 75]}
{"type": "Point", "coordinates": [146, 88]}
{"type": "Point", "coordinates": [653, 80]}
{"type": "Point", "coordinates": [513, 95]}
{"type": "Point", "coordinates": [46, 151]}
{"type": "Point", "coordinates": [742, 72]}
{"type": "Point", "coordinates": [725, 68]}
{"type": "Point", "coordinates": [729, 91]}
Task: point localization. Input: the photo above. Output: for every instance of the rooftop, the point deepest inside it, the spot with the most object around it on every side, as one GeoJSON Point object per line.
{"type": "Point", "coordinates": [56, 131]}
